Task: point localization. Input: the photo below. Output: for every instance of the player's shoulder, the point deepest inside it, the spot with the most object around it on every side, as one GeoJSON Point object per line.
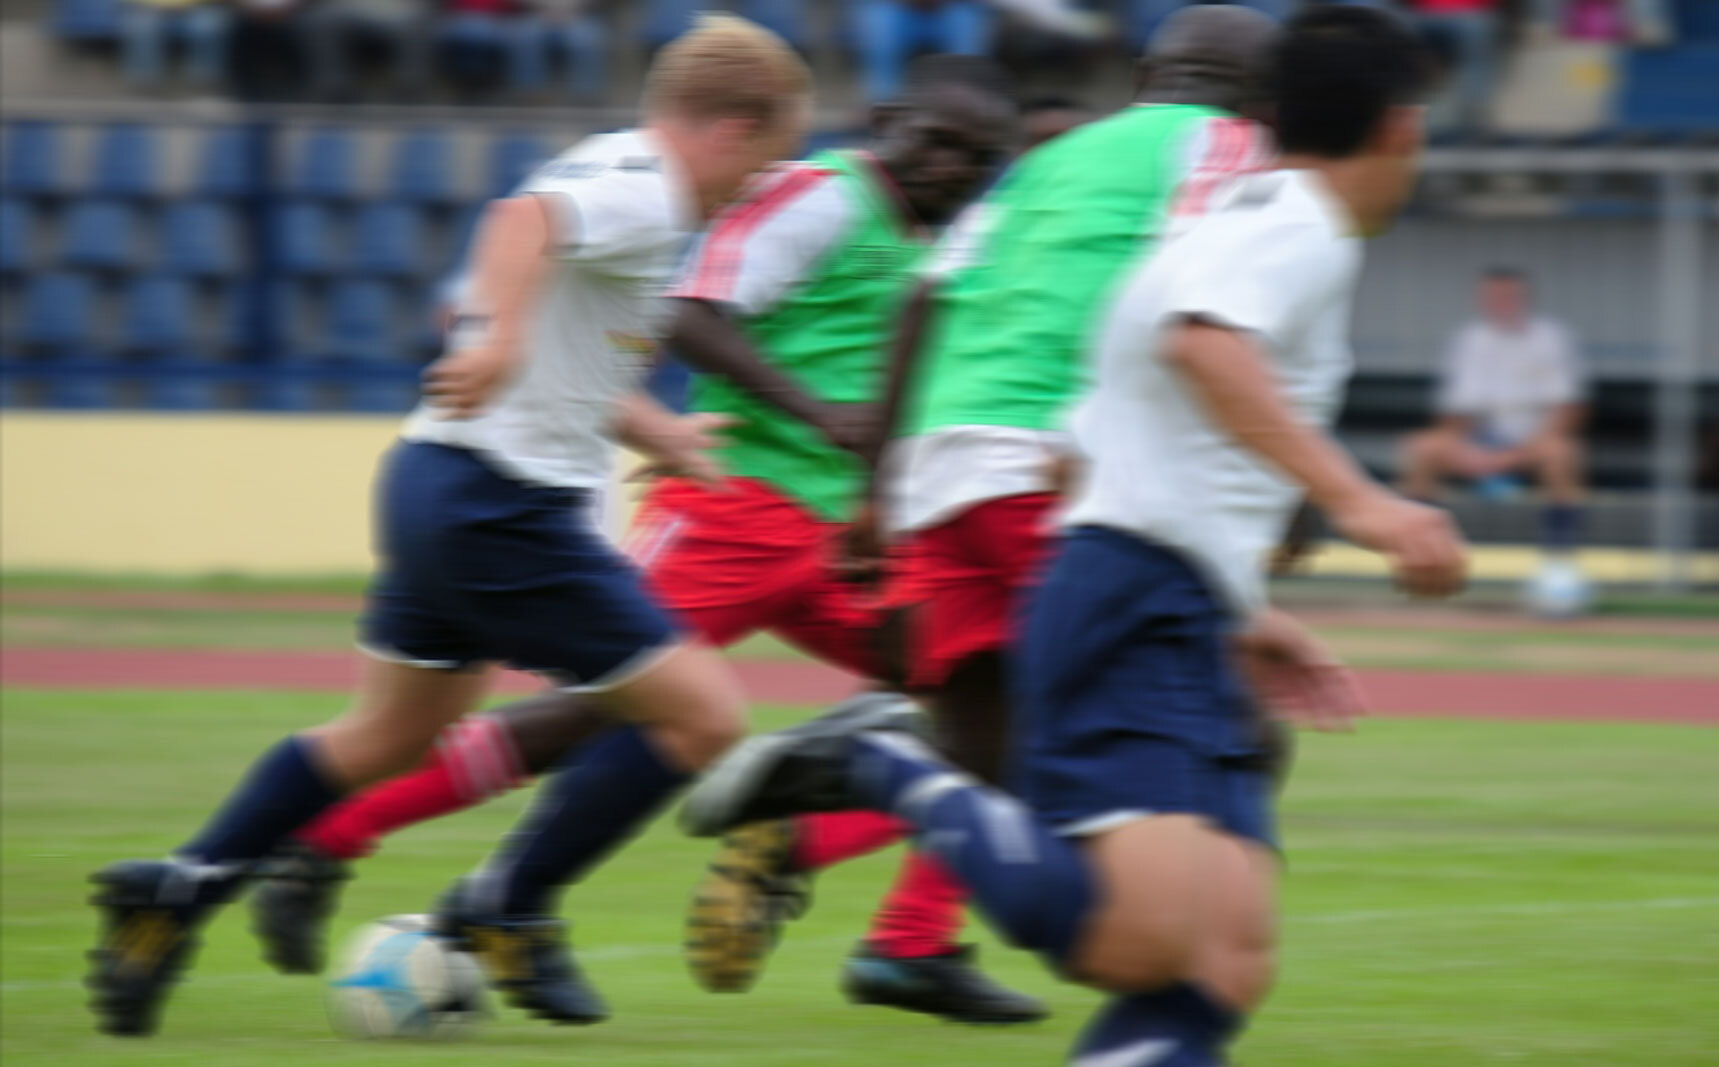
{"type": "Point", "coordinates": [797, 192]}
{"type": "Point", "coordinates": [619, 155]}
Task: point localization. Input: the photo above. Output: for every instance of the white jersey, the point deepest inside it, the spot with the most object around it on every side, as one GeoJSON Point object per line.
{"type": "Point", "coordinates": [1509, 381]}
{"type": "Point", "coordinates": [622, 216]}
{"type": "Point", "coordinates": [1276, 257]}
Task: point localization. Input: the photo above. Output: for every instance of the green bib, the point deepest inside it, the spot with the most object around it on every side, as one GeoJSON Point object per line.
{"type": "Point", "coordinates": [830, 333]}
{"type": "Point", "coordinates": [1010, 333]}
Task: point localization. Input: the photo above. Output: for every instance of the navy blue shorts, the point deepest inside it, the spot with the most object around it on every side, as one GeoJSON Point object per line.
{"type": "Point", "coordinates": [1129, 701]}
{"type": "Point", "coordinates": [478, 567]}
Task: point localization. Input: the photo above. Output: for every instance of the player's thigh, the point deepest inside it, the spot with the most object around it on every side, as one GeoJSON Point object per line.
{"type": "Point", "coordinates": [688, 696]}
{"type": "Point", "coordinates": [1152, 873]}
{"type": "Point", "coordinates": [834, 620]}
{"type": "Point", "coordinates": [399, 710]}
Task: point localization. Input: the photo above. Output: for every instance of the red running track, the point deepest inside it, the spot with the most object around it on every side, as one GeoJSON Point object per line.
{"type": "Point", "coordinates": [1559, 697]}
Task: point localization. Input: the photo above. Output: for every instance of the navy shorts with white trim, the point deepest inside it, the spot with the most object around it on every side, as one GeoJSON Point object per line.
{"type": "Point", "coordinates": [1129, 697]}
{"type": "Point", "coordinates": [480, 567]}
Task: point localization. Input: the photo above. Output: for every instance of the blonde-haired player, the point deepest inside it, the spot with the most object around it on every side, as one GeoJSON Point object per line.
{"type": "Point", "coordinates": [488, 553]}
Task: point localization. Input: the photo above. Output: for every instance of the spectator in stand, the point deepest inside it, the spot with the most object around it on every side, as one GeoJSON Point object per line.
{"type": "Point", "coordinates": [149, 27]}
{"type": "Point", "coordinates": [667, 19]}
{"type": "Point", "coordinates": [1466, 33]}
{"type": "Point", "coordinates": [889, 32]}
{"type": "Point", "coordinates": [573, 29]}
{"type": "Point", "coordinates": [1511, 401]}
{"type": "Point", "coordinates": [338, 32]}
{"type": "Point", "coordinates": [1644, 22]}
{"type": "Point", "coordinates": [268, 61]}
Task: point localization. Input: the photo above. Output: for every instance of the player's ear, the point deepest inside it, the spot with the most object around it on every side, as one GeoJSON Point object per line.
{"type": "Point", "coordinates": [1402, 131]}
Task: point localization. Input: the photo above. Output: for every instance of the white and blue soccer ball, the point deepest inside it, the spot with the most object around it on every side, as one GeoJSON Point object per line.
{"type": "Point", "coordinates": [398, 978]}
{"type": "Point", "coordinates": [1558, 590]}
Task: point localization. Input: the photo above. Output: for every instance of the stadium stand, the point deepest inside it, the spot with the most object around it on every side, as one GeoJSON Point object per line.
{"type": "Point", "coordinates": [127, 164]}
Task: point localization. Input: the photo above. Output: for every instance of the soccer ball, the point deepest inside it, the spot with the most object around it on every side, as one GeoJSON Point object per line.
{"type": "Point", "coordinates": [1557, 591]}
{"type": "Point", "coordinates": [400, 979]}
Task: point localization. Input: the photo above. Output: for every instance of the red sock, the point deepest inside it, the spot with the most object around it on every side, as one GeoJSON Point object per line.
{"type": "Point", "coordinates": [826, 839]}
{"type": "Point", "coordinates": [471, 762]}
{"type": "Point", "coordinates": [922, 913]}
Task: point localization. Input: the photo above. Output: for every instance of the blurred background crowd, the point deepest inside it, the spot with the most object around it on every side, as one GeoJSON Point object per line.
{"type": "Point", "coordinates": [256, 205]}
{"type": "Point", "coordinates": [543, 51]}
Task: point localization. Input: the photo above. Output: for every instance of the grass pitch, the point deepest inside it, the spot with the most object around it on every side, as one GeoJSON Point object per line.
{"type": "Point", "coordinates": [1458, 893]}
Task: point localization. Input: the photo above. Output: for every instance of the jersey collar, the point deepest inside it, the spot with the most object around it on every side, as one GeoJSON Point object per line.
{"type": "Point", "coordinates": [885, 184]}
{"type": "Point", "coordinates": [682, 197]}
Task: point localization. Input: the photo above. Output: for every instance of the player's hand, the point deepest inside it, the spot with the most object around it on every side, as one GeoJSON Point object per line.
{"type": "Point", "coordinates": [681, 447]}
{"type": "Point", "coordinates": [1427, 553]}
{"type": "Point", "coordinates": [1297, 677]}
{"type": "Point", "coordinates": [863, 549]}
{"type": "Point", "coordinates": [852, 428]}
{"type": "Point", "coordinates": [462, 382]}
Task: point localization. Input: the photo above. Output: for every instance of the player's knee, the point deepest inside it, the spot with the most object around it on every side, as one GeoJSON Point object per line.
{"type": "Point", "coordinates": [702, 733]}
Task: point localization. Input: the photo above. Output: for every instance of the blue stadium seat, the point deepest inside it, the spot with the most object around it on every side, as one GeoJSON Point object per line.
{"type": "Point", "coordinates": [382, 389]}
{"type": "Point", "coordinates": [17, 228]}
{"type": "Point", "coordinates": [127, 162]}
{"type": "Point", "coordinates": [421, 170]}
{"type": "Point", "coordinates": [511, 158]}
{"type": "Point", "coordinates": [199, 238]}
{"type": "Point", "coordinates": [389, 241]}
{"type": "Point", "coordinates": [303, 238]}
{"type": "Point", "coordinates": [176, 386]}
{"type": "Point", "coordinates": [1697, 20]}
{"type": "Point", "coordinates": [59, 313]}
{"type": "Point", "coordinates": [86, 21]}
{"type": "Point", "coordinates": [360, 323]}
{"type": "Point", "coordinates": [100, 235]}
{"type": "Point", "coordinates": [78, 381]}
{"type": "Point", "coordinates": [1672, 89]}
{"type": "Point", "coordinates": [160, 317]}
{"type": "Point", "coordinates": [227, 163]}
{"type": "Point", "coordinates": [326, 166]}
{"type": "Point", "coordinates": [33, 163]}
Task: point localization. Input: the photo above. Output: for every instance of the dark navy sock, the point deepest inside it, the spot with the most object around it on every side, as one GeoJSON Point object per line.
{"type": "Point", "coordinates": [284, 790]}
{"type": "Point", "coordinates": [602, 794]}
{"type": "Point", "coordinates": [1175, 1027]}
{"type": "Point", "coordinates": [1560, 527]}
{"type": "Point", "coordinates": [1032, 884]}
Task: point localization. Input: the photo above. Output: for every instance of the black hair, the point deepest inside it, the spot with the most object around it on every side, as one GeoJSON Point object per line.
{"type": "Point", "coordinates": [1336, 70]}
{"type": "Point", "coordinates": [930, 73]}
{"type": "Point", "coordinates": [1051, 102]}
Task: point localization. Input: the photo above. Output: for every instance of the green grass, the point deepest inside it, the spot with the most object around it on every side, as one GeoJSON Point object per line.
{"type": "Point", "coordinates": [1458, 894]}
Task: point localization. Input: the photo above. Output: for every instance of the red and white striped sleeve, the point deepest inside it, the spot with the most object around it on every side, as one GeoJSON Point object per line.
{"type": "Point", "coordinates": [764, 245]}
{"type": "Point", "coordinates": [1219, 150]}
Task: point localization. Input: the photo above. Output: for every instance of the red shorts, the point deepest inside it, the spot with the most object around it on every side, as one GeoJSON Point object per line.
{"type": "Point", "coordinates": [963, 580]}
{"type": "Point", "coordinates": [746, 558]}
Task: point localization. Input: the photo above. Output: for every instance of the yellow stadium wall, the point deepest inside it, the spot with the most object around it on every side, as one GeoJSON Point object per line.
{"type": "Point", "coordinates": [188, 494]}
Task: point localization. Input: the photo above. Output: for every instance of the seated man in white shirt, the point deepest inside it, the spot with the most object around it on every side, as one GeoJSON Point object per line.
{"type": "Point", "coordinates": [1511, 401]}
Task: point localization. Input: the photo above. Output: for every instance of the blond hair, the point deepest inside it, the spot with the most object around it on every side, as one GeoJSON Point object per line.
{"type": "Point", "coordinates": [727, 67]}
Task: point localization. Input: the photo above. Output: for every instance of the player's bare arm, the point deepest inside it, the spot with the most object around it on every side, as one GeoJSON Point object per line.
{"type": "Point", "coordinates": [1226, 370]}
{"type": "Point", "coordinates": [677, 445]}
{"type": "Point", "coordinates": [510, 264]}
{"type": "Point", "coordinates": [709, 340]}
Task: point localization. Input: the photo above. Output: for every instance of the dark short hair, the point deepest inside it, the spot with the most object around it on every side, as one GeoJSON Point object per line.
{"type": "Point", "coordinates": [927, 74]}
{"type": "Point", "coordinates": [1336, 71]}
